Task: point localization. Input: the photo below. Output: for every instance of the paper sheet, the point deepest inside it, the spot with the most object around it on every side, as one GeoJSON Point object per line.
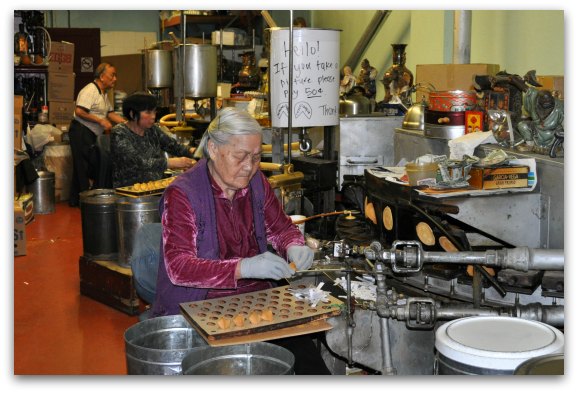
{"type": "Point", "coordinates": [466, 144]}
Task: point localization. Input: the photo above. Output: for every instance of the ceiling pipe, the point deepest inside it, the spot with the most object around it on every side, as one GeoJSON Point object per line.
{"type": "Point", "coordinates": [378, 18]}
{"type": "Point", "coordinates": [462, 37]}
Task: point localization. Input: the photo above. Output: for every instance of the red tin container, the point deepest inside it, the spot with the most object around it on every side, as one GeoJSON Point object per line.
{"type": "Point", "coordinates": [452, 101]}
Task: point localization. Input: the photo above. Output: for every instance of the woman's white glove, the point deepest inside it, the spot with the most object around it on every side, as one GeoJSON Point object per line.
{"type": "Point", "coordinates": [302, 256]}
{"type": "Point", "coordinates": [266, 265]}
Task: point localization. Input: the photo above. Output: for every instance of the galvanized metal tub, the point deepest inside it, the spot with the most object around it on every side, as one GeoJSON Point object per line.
{"type": "Point", "coordinates": [43, 193]}
{"type": "Point", "coordinates": [157, 346]}
{"type": "Point", "coordinates": [99, 224]}
{"type": "Point", "coordinates": [259, 358]}
{"type": "Point", "coordinates": [132, 214]}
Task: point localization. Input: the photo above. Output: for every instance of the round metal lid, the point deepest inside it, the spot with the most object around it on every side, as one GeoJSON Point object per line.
{"type": "Point", "coordinates": [497, 342]}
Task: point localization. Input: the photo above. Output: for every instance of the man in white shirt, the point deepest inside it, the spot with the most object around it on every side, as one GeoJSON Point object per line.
{"type": "Point", "coordinates": [93, 116]}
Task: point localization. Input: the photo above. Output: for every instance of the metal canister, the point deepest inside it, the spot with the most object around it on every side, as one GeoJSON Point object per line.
{"type": "Point", "coordinates": [132, 214]}
{"type": "Point", "coordinates": [99, 227]}
{"type": "Point", "coordinates": [452, 100]}
{"type": "Point", "coordinates": [43, 194]}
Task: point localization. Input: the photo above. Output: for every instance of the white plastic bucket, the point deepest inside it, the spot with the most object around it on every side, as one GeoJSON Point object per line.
{"type": "Point", "coordinates": [492, 345]}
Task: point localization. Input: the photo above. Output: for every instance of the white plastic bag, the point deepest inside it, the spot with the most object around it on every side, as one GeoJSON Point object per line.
{"type": "Point", "coordinates": [40, 135]}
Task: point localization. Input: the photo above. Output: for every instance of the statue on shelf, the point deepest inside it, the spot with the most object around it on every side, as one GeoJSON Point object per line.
{"type": "Point", "coordinates": [546, 120]}
{"type": "Point", "coordinates": [249, 77]}
{"type": "Point", "coordinates": [348, 81]}
{"type": "Point", "coordinates": [545, 124]}
{"type": "Point", "coordinates": [398, 79]}
{"type": "Point", "coordinates": [366, 79]}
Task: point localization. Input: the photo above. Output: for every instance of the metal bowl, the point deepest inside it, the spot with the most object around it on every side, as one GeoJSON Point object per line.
{"type": "Point", "coordinates": [414, 118]}
{"type": "Point", "coordinates": [258, 358]}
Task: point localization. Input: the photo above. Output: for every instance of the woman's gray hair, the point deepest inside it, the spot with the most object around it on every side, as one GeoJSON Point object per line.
{"type": "Point", "coordinates": [229, 122]}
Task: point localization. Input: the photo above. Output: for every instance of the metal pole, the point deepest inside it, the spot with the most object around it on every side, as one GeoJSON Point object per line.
{"type": "Point", "coordinates": [378, 18]}
{"type": "Point", "coordinates": [290, 102]}
{"type": "Point", "coordinates": [462, 36]}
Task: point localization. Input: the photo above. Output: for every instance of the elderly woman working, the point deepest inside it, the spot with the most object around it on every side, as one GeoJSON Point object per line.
{"type": "Point", "coordinates": [137, 147]}
{"type": "Point", "coordinates": [217, 219]}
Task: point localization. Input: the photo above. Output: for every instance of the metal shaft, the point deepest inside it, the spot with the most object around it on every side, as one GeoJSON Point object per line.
{"type": "Point", "coordinates": [387, 367]}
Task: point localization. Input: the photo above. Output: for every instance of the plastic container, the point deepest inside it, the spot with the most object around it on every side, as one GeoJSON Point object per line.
{"type": "Point", "coordinates": [492, 345]}
{"type": "Point", "coordinates": [416, 173]}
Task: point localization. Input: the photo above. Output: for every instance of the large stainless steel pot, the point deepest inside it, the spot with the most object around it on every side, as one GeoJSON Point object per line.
{"type": "Point", "coordinates": [158, 68]}
{"type": "Point", "coordinates": [200, 69]}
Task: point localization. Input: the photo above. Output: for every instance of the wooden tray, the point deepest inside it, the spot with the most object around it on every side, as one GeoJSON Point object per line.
{"type": "Point", "coordinates": [291, 316]}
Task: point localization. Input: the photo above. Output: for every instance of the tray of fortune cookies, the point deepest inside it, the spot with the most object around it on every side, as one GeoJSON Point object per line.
{"type": "Point", "coordinates": [149, 188]}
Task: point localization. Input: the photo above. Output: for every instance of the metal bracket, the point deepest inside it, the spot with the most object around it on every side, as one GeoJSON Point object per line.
{"type": "Point", "coordinates": [412, 254]}
{"type": "Point", "coordinates": [424, 313]}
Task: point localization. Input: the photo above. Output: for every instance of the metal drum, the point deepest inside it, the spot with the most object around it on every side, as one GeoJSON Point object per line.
{"type": "Point", "coordinates": [99, 227]}
{"type": "Point", "coordinates": [200, 65]}
{"type": "Point", "coordinates": [258, 358]}
{"type": "Point", "coordinates": [132, 214]}
{"type": "Point", "coordinates": [492, 345]}
{"type": "Point", "coordinates": [157, 346]}
{"type": "Point", "coordinates": [43, 193]}
{"type": "Point", "coordinates": [158, 68]}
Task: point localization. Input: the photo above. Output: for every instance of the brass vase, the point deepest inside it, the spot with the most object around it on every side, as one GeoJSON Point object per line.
{"type": "Point", "coordinates": [398, 79]}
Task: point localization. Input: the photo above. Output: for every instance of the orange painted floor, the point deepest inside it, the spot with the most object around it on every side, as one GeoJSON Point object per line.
{"type": "Point", "coordinates": [56, 329]}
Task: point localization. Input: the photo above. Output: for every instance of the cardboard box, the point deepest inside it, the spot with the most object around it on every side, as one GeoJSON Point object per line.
{"type": "Point", "coordinates": [499, 178]}
{"type": "Point", "coordinates": [129, 69]}
{"type": "Point", "coordinates": [554, 83]}
{"type": "Point", "coordinates": [61, 112]}
{"type": "Point", "coordinates": [18, 104]}
{"type": "Point", "coordinates": [61, 57]}
{"type": "Point", "coordinates": [228, 37]}
{"type": "Point", "coordinates": [26, 204]}
{"type": "Point", "coordinates": [19, 231]}
{"type": "Point", "coordinates": [61, 87]}
{"type": "Point", "coordinates": [445, 77]}
{"type": "Point", "coordinates": [224, 90]}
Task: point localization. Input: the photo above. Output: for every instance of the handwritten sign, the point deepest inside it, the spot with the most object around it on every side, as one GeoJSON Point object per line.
{"type": "Point", "coordinates": [315, 77]}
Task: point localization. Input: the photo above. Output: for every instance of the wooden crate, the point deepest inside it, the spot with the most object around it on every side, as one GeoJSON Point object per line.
{"type": "Point", "coordinates": [108, 283]}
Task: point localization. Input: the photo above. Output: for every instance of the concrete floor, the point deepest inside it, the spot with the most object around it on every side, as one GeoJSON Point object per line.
{"type": "Point", "coordinates": [56, 329]}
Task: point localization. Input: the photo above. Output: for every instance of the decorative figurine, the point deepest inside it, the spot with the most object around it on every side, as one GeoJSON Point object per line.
{"type": "Point", "coordinates": [366, 79]}
{"type": "Point", "coordinates": [249, 77]}
{"type": "Point", "coordinates": [546, 120]}
{"type": "Point", "coordinates": [347, 82]}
